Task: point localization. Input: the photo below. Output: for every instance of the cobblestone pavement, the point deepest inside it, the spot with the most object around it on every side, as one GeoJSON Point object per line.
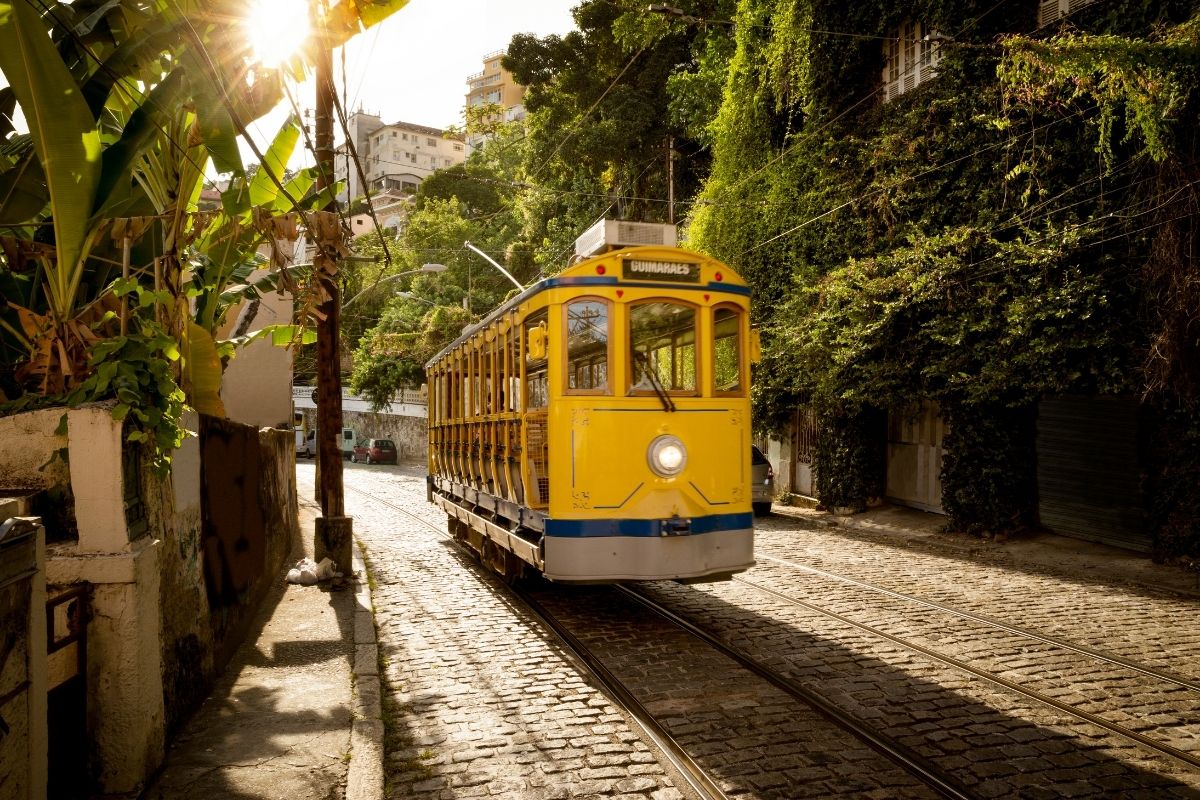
{"type": "Point", "coordinates": [479, 700]}
{"type": "Point", "coordinates": [486, 703]}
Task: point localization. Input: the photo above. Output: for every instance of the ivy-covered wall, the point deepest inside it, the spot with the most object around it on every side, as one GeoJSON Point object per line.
{"type": "Point", "coordinates": [1020, 226]}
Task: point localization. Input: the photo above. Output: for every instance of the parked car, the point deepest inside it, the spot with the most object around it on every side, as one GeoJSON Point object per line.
{"type": "Point", "coordinates": [306, 446]}
{"type": "Point", "coordinates": [374, 451]}
{"type": "Point", "coordinates": [762, 483]}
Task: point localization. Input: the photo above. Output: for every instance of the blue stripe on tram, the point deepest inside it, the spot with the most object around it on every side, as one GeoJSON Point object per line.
{"type": "Point", "coordinates": [578, 528]}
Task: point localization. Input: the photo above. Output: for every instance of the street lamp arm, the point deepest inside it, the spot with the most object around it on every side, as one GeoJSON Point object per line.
{"type": "Point", "coordinates": [492, 261]}
{"type": "Point", "coordinates": [424, 268]}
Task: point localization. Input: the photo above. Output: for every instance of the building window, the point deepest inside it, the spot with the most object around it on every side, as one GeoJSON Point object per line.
{"type": "Point", "coordinates": [911, 56]}
{"type": "Point", "coordinates": [409, 187]}
{"type": "Point", "coordinates": [1054, 10]}
{"type": "Point", "coordinates": [458, 148]}
{"type": "Point", "coordinates": [431, 142]}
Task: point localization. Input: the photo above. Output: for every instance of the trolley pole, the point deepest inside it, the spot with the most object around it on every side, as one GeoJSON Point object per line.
{"type": "Point", "coordinates": [334, 530]}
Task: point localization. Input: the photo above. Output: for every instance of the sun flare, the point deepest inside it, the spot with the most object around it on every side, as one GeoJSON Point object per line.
{"type": "Point", "coordinates": [276, 29]}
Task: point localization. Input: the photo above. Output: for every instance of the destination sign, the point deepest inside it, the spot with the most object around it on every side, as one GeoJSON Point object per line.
{"type": "Point", "coordinates": [675, 271]}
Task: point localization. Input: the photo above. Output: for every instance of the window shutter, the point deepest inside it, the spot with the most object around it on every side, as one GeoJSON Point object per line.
{"type": "Point", "coordinates": [1047, 12]}
{"type": "Point", "coordinates": [1052, 10]}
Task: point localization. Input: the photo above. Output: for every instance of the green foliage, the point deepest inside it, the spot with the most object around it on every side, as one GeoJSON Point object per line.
{"type": "Point", "coordinates": [598, 128]}
{"type": "Point", "coordinates": [1142, 85]}
{"type": "Point", "coordinates": [851, 456]}
{"type": "Point", "coordinates": [960, 243]}
{"type": "Point", "coordinates": [393, 355]}
{"type": "Point", "coordinates": [989, 468]}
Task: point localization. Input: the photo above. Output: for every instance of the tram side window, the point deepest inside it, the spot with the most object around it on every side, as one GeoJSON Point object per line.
{"type": "Point", "coordinates": [536, 389]}
{"type": "Point", "coordinates": [662, 347]}
{"type": "Point", "coordinates": [587, 346]}
{"type": "Point", "coordinates": [727, 350]}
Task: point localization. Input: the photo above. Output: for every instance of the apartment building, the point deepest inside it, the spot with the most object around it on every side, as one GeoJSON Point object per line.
{"type": "Point", "coordinates": [495, 84]}
{"type": "Point", "coordinates": [395, 156]}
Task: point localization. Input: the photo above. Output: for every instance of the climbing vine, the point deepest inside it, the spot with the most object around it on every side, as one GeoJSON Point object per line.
{"type": "Point", "coordinates": [1019, 226]}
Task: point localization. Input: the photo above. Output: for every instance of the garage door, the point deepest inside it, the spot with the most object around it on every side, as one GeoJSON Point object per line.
{"type": "Point", "coordinates": [1088, 470]}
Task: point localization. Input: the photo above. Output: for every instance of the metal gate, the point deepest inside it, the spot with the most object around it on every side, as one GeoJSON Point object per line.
{"type": "Point", "coordinates": [1088, 470]}
{"type": "Point", "coordinates": [804, 446]}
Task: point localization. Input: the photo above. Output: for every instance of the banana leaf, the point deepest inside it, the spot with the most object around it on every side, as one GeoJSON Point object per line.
{"type": "Point", "coordinates": [64, 136]}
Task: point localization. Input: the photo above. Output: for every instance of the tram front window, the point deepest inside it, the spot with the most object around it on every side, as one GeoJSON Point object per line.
{"type": "Point", "coordinates": [587, 346]}
{"type": "Point", "coordinates": [662, 347]}
{"type": "Point", "coordinates": [727, 350]}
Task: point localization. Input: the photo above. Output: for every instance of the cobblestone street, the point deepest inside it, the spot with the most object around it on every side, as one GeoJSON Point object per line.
{"type": "Point", "coordinates": [481, 700]}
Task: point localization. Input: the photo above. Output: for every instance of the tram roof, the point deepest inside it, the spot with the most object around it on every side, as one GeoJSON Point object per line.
{"type": "Point", "coordinates": [585, 273]}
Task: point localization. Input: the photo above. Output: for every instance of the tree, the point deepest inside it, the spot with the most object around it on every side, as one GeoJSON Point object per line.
{"type": "Point", "coordinates": [599, 131]}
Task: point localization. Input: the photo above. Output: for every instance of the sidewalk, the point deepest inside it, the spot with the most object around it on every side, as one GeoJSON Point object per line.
{"type": "Point", "coordinates": [897, 525]}
{"type": "Point", "coordinates": [284, 720]}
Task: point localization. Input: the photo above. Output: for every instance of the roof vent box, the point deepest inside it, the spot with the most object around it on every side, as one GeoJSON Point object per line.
{"type": "Point", "coordinates": [612, 234]}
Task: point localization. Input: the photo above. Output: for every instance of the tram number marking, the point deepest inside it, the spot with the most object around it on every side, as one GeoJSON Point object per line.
{"type": "Point", "coordinates": [581, 500]}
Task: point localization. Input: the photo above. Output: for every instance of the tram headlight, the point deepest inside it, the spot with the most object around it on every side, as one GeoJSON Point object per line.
{"type": "Point", "coordinates": [667, 456]}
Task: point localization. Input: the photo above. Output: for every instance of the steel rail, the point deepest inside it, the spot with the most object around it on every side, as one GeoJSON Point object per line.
{"type": "Point", "coordinates": [914, 763]}
{"type": "Point", "coordinates": [1110, 658]}
{"type": "Point", "coordinates": [695, 775]}
{"type": "Point", "coordinates": [1095, 719]}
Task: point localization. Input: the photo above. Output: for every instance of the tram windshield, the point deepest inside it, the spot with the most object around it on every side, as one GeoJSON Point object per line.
{"type": "Point", "coordinates": [587, 346]}
{"type": "Point", "coordinates": [727, 350]}
{"type": "Point", "coordinates": [662, 347]}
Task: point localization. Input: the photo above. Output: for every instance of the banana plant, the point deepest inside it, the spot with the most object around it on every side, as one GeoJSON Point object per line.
{"type": "Point", "coordinates": [104, 251]}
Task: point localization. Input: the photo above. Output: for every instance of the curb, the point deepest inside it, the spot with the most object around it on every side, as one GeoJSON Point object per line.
{"type": "Point", "coordinates": [364, 780]}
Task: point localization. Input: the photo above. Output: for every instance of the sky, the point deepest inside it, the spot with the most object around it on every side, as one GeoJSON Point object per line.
{"type": "Point", "coordinates": [413, 66]}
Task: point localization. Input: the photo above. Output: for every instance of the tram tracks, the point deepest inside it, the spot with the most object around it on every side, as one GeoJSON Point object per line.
{"type": "Point", "coordinates": [702, 783]}
{"type": "Point", "coordinates": [927, 764]}
{"type": "Point", "coordinates": [1055, 641]}
{"type": "Point", "coordinates": [1155, 745]}
{"type": "Point", "coordinates": [1179, 683]}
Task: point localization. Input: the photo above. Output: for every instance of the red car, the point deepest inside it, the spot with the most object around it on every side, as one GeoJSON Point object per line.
{"type": "Point", "coordinates": [374, 451]}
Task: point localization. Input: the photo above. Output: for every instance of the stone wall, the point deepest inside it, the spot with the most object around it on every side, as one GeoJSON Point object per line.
{"type": "Point", "coordinates": [409, 433]}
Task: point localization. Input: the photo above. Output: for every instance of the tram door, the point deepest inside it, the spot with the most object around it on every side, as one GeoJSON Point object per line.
{"type": "Point", "coordinates": [536, 440]}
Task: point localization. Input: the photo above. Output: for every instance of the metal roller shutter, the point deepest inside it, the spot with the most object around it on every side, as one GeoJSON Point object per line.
{"type": "Point", "coordinates": [1088, 477]}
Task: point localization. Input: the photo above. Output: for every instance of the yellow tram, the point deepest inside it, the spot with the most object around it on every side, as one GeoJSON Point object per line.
{"type": "Point", "coordinates": [596, 427]}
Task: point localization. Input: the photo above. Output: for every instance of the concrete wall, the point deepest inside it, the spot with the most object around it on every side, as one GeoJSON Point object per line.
{"type": "Point", "coordinates": [249, 522]}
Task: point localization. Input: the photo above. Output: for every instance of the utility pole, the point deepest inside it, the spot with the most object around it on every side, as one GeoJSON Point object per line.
{"type": "Point", "coordinates": [334, 531]}
{"type": "Point", "coordinates": [670, 178]}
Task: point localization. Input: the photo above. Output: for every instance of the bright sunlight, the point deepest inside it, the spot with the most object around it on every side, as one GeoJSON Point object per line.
{"type": "Point", "coordinates": [276, 29]}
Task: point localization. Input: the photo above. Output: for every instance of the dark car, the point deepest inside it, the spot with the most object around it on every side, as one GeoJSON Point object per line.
{"type": "Point", "coordinates": [374, 451]}
{"type": "Point", "coordinates": [762, 483]}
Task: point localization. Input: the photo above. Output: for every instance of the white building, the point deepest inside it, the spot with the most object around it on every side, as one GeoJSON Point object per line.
{"type": "Point", "coordinates": [395, 157]}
